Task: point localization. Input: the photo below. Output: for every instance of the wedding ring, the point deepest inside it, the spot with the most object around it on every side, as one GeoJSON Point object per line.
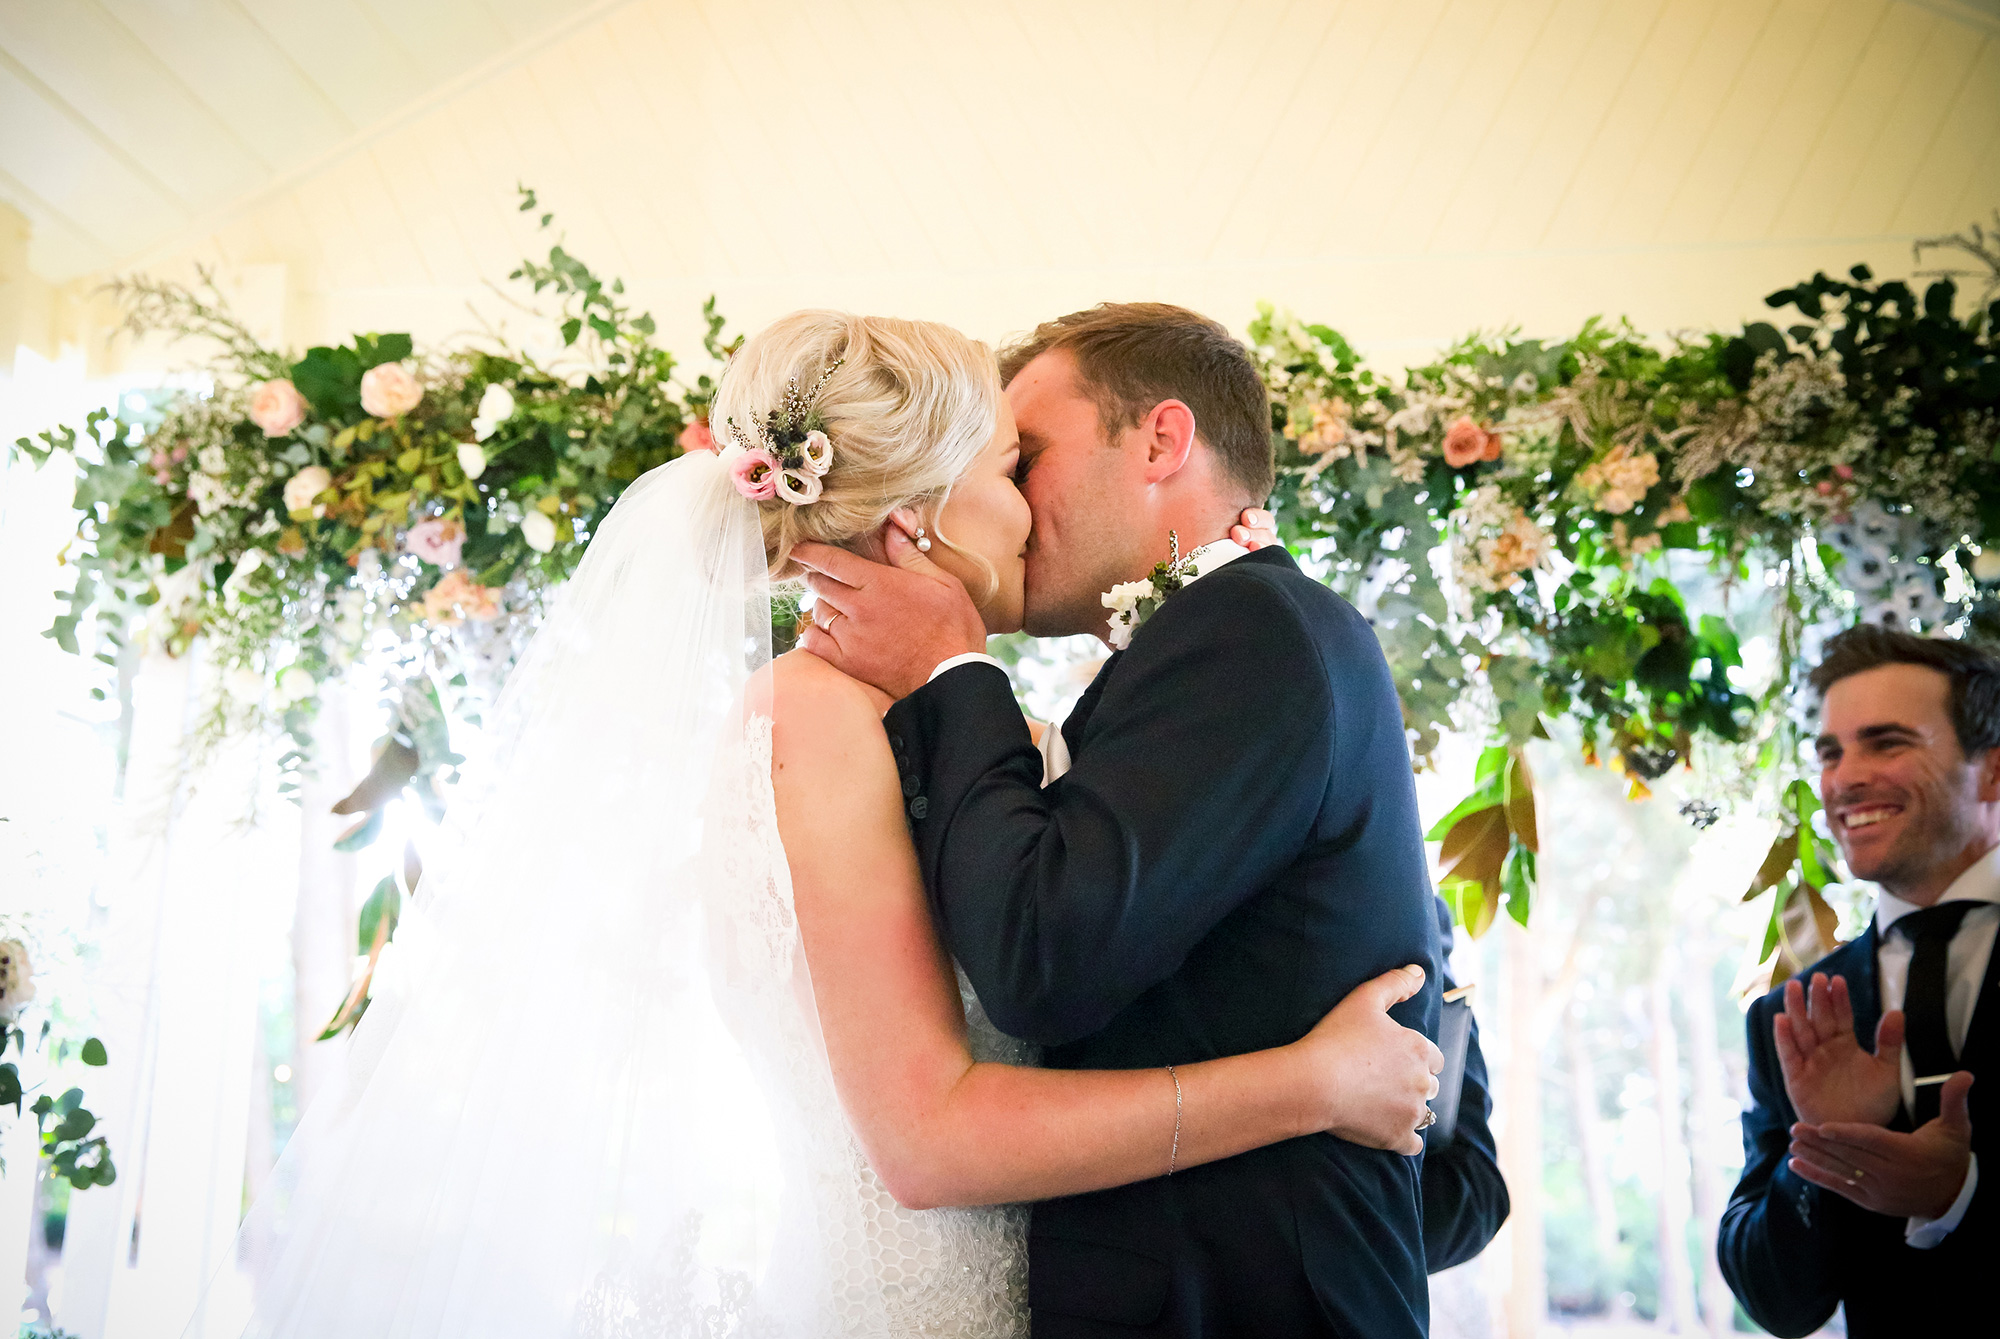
{"type": "Point", "coordinates": [826, 623]}
{"type": "Point", "coordinates": [1430, 1119]}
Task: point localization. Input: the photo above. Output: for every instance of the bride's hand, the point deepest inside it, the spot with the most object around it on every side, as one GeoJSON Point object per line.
{"type": "Point", "coordinates": [1369, 1078]}
{"type": "Point", "coordinates": [1255, 529]}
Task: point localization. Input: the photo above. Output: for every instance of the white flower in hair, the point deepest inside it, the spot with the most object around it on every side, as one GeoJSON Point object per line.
{"type": "Point", "coordinates": [818, 453]}
{"type": "Point", "coordinates": [799, 488]}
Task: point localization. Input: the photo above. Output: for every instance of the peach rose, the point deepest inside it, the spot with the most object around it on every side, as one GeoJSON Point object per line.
{"type": "Point", "coordinates": [696, 437]}
{"type": "Point", "coordinates": [277, 407]}
{"type": "Point", "coordinates": [457, 597]}
{"type": "Point", "coordinates": [389, 391]}
{"type": "Point", "coordinates": [437, 540]}
{"type": "Point", "coordinates": [1464, 443]}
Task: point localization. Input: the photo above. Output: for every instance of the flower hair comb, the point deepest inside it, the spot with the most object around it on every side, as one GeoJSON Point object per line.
{"type": "Point", "coordinates": [793, 453]}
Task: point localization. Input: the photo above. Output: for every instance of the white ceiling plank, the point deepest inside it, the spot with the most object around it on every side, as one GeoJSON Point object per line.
{"type": "Point", "coordinates": [1587, 215]}
{"type": "Point", "coordinates": [1670, 166]}
{"type": "Point", "coordinates": [65, 242]}
{"type": "Point", "coordinates": [353, 56]}
{"type": "Point", "coordinates": [1832, 168]}
{"type": "Point", "coordinates": [1522, 210]}
{"type": "Point", "coordinates": [1915, 114]}
{"type": "Point", "coordinates": [1836, 42]}
{"type": "Point", "coordinates": [1449, 74]}
{"type": "Point", "coordinates": [63, 163]}
{"type": "Point", "coordinates": [1524, 104]}
{"type": "Point", "coordinates": [229, 63]}
{"type": "Point", "coordinates": [1469, 110]}
{"type": "Point", "coordinates": [1948, 167]}
{"type": "Point", "coordinates": [104, 77]}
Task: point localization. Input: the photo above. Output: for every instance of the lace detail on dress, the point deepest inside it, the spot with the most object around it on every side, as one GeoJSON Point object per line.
{"type": "Point", "coordinates": [863, 1264]}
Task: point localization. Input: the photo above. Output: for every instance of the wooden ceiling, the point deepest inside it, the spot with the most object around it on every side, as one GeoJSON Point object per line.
{"type": "Point", "coordinates": [1405, 165]}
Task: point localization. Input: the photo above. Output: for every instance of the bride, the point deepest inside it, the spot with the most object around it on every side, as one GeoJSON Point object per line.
{"type": "Point", "coordinates": [670, 1047]}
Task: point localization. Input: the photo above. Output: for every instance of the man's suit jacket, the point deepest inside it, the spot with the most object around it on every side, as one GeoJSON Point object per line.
{"type": "Point", "coordinates": [1235, 848]}
{"type": "Point", "coordinates": [1792, 1251]}
{"type": "Point", "coordinates": [1465, 1197]}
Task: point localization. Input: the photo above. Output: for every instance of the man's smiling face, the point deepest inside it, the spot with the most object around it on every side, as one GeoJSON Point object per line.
{"type": "Point", "coordinates": [1901, 797]}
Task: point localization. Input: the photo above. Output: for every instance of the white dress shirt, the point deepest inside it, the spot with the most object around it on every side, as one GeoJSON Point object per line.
{"type": "Point", "coordinates": [1966, 961]}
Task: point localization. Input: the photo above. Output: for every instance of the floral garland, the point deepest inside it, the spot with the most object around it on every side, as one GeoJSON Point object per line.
{"type": "Point", "coordinates": [303, 515]}
{"type": "Point", "coordinates": [1539, 531]}
{"type": "Point", "coordinates": [1577, 530]}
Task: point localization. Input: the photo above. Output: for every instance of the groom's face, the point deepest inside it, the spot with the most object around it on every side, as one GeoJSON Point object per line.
{"type": "Point", "coordinates": [1087, 492]}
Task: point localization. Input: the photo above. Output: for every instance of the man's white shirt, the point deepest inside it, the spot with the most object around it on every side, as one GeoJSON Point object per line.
{"type": "Point", "coordinates": [1966, 961]}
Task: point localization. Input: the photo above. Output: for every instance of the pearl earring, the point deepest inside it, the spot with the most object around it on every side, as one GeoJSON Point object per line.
{"type": "Point", "coordinates": [923, 541]}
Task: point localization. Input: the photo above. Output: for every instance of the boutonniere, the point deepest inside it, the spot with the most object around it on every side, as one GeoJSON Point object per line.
{"type": "Point", "coordinates": [1133, 602]}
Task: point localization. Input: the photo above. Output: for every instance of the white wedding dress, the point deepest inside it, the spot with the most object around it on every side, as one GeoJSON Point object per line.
{"type": "Point", "coordinates": [591, 1099]}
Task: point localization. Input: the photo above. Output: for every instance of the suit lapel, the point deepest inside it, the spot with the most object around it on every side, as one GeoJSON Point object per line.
{"type": "Point", "coordinates": [1984, 1028]}
{"type": "Point", "coordinates": [1079, 715]}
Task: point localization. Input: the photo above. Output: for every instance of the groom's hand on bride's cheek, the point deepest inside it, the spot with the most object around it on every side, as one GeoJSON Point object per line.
{"type": "Point", "coordinates": [887, 624]}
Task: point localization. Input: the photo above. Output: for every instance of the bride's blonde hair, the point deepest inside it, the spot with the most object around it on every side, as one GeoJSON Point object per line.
{"type": "Point", "coordinates": [910, 407]}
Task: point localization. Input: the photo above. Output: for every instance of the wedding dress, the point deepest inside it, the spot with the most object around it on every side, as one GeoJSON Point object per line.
{"type": "Point", "coordinates": [591, 1099]}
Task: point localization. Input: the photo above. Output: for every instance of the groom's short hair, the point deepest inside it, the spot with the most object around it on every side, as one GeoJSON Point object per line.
{"type": "Point", "coordinates": [1132, 355]}
{"type": "Point", "coordinates": [1972, 669]}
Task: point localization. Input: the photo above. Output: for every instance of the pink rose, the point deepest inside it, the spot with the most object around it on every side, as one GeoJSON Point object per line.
{"type": "Point", "coordinates": [756, 475]}
{"type": "Point", "coordinates": [1464, 443]}
{"type": "Point", "coordinates": [1844, 471]}
{"type": "Point", "coordinates": [389, 391]}
{"type": "Point", "coordinates": [437, 540]}
{"type": "Point", "coordinates": [696, 437]}
{"type": "Point", "coordinates": [277, 407]}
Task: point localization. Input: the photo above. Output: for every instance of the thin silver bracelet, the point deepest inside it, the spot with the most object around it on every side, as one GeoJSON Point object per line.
{"type": "Point", "coordinates": [1173, 1154]}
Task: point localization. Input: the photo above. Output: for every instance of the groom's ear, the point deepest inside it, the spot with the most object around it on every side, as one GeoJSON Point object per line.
{"type": "Point", "coordinates": [1168, 434]}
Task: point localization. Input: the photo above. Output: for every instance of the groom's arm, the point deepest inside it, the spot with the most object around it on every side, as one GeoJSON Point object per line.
{"type": "Point", "coordinates": [1205, 772]}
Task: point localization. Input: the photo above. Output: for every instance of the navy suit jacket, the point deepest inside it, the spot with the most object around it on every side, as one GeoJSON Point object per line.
{"type": "Point", "coordinates": [1235, 848]}
{"type": "Point", "coordinates": [1792, 1251]}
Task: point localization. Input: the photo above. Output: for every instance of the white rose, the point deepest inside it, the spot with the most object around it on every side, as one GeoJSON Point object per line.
{"type": "Point", "coordinates": [213, 460]}
{"type": "Point", "coordinates": [471, 459]}
{"type": "Point", "coordinates": [303, 487]}
{"type": "Point", "coordinates": [389, 391]}
{"type": "Point", "coordinates": [496, 406]}
{"type": "Point", "coordinates": [539, 531]}
{"type": "Point", "coordinates": [244, 684]}
{"type": "Point", "coordinates": [296, 684]}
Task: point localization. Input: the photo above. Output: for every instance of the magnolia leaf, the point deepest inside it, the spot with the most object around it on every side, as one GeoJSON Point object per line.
{"type": "Point", "coordinates": [1487, 795]}
{"type": "Point", "coordinates": [1520, 791]}
{"type": "Point", "coordinates": [1517, 879]}
{"type": "Point", "coordinates": [1470, 907]}
{"type": "Point", "coordinates": [394, 765]}
{"type": "Point", "coordinates": [361, 834]}
{"type": "Point", "coordinates": [1778, 862]}
{"type": "Point", "coordinates": [385, 904]}
{"type": "Point", "coordinates": [1475, 848]}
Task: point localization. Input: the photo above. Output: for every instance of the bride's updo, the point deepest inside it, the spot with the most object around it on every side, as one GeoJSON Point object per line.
{"type": "Point", "coordinates": [908, 410]}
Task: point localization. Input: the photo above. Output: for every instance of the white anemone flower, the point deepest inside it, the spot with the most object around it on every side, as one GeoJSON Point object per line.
{"type": "Point", "coordinates": [799, 488]}
{"type": "Point", "coordinates": [818, 452]}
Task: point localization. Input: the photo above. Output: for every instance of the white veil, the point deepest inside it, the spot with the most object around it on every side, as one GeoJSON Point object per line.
{"type": "Point", "coordinates": [544, 1126]}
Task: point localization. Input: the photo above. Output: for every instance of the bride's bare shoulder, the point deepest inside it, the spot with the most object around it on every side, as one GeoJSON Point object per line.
{"type": "Point", "coordinates": [818, 712]}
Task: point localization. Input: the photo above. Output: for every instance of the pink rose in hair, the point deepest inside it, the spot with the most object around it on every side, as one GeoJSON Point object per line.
{"type": "Point", "coordinates": [756, 475]}
{"type": "Point", "coordinates": [696, 437]}
{"type": "Point", "coordinates": [277, 407]}
{"type": "Point", "coordinates": [437, 540]}
{"type": "Point", "coordinates": [1464, 443]}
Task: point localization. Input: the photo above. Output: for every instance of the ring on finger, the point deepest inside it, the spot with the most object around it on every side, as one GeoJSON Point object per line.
{"type": "Point", "coordinates": [1430, 1119]}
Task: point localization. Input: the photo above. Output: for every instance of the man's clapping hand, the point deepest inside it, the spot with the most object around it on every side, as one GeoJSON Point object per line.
{"type": "Point", "coordinates": [1917, 1175]}
{"type": "Point", "coordinates": [1828, 1076]}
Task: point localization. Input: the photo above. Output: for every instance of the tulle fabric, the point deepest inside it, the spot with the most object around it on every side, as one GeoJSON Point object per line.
{"type": "Point", "coordinates": [544, 1103]}
{"type": "Point", "coordinates": [591, 1099]}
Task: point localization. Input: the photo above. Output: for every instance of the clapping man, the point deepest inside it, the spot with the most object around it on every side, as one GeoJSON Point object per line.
{"type": "Point", "coordinates": [1861, 1183]}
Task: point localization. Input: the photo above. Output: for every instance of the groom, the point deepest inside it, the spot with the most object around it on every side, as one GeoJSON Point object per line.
{"type": "Point", "coordinates": [1234, 847]}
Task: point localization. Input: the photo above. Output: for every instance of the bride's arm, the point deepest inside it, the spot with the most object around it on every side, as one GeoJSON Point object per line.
{"type": "Point", "coordinates": [941, 1129]}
